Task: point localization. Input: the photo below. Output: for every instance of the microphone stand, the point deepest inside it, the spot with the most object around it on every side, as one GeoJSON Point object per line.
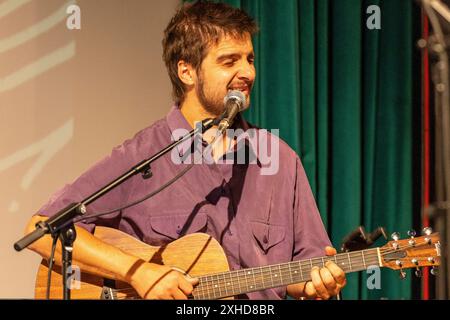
{"type": "Point", "coordinates": [61, 224]}
{"type": "Point", "coordinates": [439, 16]}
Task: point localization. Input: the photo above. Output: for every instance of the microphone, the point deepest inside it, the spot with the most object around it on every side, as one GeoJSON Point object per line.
{"type": "Point", "coordinates": [234, 103]}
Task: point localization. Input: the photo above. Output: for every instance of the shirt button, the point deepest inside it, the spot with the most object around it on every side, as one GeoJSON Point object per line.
{"type": "Point", "coordinates": [265, 239]}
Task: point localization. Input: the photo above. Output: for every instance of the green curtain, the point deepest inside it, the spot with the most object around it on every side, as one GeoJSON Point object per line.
{"type": "Point", "coordinates": [342, 97]}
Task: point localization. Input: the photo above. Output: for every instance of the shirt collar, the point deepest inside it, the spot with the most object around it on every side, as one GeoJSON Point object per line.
{"type": "Point", "coordinates": [176, 121]}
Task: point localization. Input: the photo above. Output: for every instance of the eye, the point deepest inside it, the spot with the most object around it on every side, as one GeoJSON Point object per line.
{"type": "Point", "coordinates": [229, 63]}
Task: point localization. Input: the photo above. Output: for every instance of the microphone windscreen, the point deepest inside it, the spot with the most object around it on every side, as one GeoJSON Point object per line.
{"type": "Point", "coordinates": [238, 97]}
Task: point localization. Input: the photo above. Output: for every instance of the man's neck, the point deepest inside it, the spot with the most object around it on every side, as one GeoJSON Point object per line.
{"type": "Point", "coordinates": [194, 112]}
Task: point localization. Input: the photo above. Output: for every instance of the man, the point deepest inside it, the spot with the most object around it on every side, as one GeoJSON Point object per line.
{"type": "Point", "coordinates": [258, 219]}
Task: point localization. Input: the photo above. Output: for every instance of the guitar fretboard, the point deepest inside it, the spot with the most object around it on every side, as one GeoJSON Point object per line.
{"type": "Point", "coordinates": [237, 282]}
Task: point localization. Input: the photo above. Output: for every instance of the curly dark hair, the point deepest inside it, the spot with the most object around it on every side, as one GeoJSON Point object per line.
{"type": "Point", "coordinates": [193, 29]}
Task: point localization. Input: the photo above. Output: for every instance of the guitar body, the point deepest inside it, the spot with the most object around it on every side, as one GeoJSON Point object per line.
{"type": "Point", "coordinates": [196, 254]}
{"type": "Point", "coordinates": [200, 255]}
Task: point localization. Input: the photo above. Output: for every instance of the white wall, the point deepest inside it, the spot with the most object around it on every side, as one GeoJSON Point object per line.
{"type": "Point", "coordinates": [66, 98]}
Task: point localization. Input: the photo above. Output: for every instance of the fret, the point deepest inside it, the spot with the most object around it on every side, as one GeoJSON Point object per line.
{"type": "Point", "coordinates": [256, 277]}
{"type": "Point", "coordinates": [271, 279]}
{"type": "Point", "coordinates": [323, 263]}
{"type": "Point", "coordinates": [301, 271]}
{"type": "Point", "coordinates": [364, 260]}
{"type": "Point", "coordinates": [197, 293]}
{"type": "Point", "coordinates": [224, 284]}
{"type": "Point", "coordinates": [280, 275]}
{"type": "Point", "coordinates": [219, 286]}
{"type": "Point", "coordinates": [208, 291]}
{"type": "Point", "coordinates": [238, 276]}
{"type": "Point", "coordinates": [246, 281]}
{"type": "Point", "coordinates": [290, 273]}
{"type": "Point", "coordinates": [341, 263]}
{"type": "Point", "coordinates": [263, 278]}
{"type": "Point", "coordinates": [296, 268]}
{"type": "Point", "coordinates": [216, 285]}
{"type": "Point", "coordinates": [250, 272]}
{"type": "Point", "coordinates": [229, 283]}
{"type": "Point", "coordinates": [349, 262]}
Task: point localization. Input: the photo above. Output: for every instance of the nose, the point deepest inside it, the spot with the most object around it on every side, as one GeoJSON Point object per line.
{"type": "Point", "coordinates": [247, 71]}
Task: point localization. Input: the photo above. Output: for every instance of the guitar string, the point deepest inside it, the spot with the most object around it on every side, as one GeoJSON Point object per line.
{"type": "Point", "coordinates": [262, 273]}
{"type": "Point", "coordinates": [266, 270]}
{"type": "Point", "coordinates": [383, 252]}
{"type": "Point", "coordinates": [199, 292]}
{"type": "Point", "coordinates": [285, 270]}
{"type": "Point", "coordinates": [237, 285]}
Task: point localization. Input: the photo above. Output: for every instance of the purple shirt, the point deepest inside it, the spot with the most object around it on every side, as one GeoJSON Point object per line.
{"type": "Point", "coordinates": [258, 219]}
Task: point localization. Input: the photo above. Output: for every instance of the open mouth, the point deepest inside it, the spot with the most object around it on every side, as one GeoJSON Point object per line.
{"type": "Point", "coordinates": [244, 89]}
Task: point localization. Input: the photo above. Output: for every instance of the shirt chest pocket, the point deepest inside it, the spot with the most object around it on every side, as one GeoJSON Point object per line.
{"type": "Point", "coordinates": [267, 235]}
{"type": "Point", "coordinates": [165, 228]}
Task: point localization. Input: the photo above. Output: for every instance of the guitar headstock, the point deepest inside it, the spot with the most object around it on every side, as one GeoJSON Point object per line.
{"type": "Point", "coordinates": [412, 252]}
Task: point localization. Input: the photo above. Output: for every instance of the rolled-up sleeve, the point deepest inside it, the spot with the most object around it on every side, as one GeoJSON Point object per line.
{"type": "Point", "coordinates": [103, 172]}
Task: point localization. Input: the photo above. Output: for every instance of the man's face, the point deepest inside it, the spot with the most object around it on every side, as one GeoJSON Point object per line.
{"type": "Point", "coordinates": [229, 65]}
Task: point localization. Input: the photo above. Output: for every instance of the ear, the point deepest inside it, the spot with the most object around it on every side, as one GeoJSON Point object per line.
{"type": "Point", "coordinates": [186, 73]}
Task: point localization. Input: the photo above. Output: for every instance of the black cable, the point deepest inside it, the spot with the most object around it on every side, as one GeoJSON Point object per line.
{"type": "Point", "coordinates": [96, 215]}
{"type": "Point", "coordinates": [164, 186]}
{"type": "Point", "coordinates": [50, 267]}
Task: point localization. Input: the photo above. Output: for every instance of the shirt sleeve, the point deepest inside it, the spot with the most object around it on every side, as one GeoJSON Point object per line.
{"type": "Point", "coordinates": [103, 172]}
{"type": "Point", "coordinates": [310, 235]}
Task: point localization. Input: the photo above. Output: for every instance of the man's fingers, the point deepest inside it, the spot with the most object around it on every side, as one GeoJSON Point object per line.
{"type": "Point", "coordinates": [309, 290]}
{"type": "Point", "coordinates": [330, 251]}
{"type": "Point", "coordinates": [177, 294]}
{"type": "Point", "coordinates": [186, 285]}
{"type": "Point", "coordinates": [337, 273]}
{"type": "Point", "coordinates": [193, 281]}
{"type": "Point", "coordinates": [316, 279]}
{"type": "Point", "coordinates": [328, 281]}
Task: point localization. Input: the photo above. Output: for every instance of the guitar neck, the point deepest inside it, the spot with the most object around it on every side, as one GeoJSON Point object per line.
{"type": "Point", "coordinates": [241, 281]}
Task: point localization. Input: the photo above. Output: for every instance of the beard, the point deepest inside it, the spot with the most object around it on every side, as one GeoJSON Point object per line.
{"type": "Point", "coordinates": [212, 103]}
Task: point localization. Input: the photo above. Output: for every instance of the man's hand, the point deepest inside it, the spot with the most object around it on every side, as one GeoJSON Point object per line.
{"type": "Point", "coordinates": [325, 282]}
{"type": "Point", "coordinates": [153, 281]}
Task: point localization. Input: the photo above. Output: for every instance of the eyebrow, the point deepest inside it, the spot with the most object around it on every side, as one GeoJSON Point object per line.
{"type": "Point", "coordinates": [235, 56]}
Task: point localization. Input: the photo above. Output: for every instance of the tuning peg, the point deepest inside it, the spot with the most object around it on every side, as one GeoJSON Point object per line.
{"type": "Point", "coordinates": [402, 275]}
{"type": "Point", "coordinates": [412, 233]}
{"type": "Point", "coordinates": [434, 271]}
{"type": "Point", "coordinates": [427, 231]}
{"type": "Point", "coordinates": [418, 273]}
{"type": "Point", "coordinates": [395, 236]}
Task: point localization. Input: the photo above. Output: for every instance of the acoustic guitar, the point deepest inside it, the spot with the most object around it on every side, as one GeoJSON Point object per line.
{"type": "Point", "coordinates": [201, 256]}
